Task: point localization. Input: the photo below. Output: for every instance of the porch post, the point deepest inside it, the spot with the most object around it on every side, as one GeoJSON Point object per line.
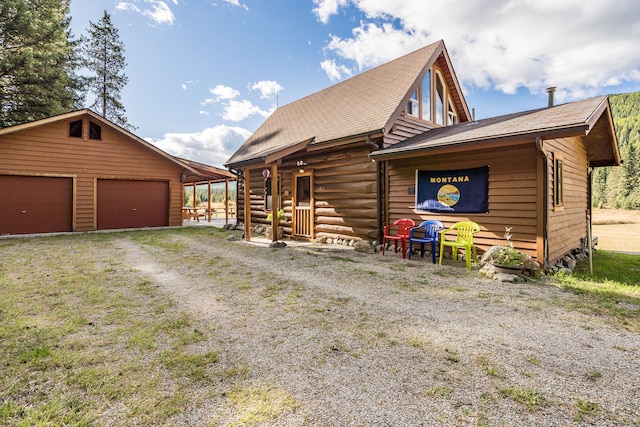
{"type": "Point", "coordinates": [226, 201]}
{"type": "Point", "coordinates": [247, 205]}
{"type": "Point", "coordinates": [274, 205]}
{"type": "Point", "coordinates": [209, 201]}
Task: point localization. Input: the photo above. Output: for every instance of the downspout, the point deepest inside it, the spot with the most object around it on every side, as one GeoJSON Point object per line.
{"type": "Point", "coordinates": [236, 172]}
{"type": "Point", "coordinates": [379, 188]}
{"type": "Point", "coordinates": [545, 197]}
{"type": "Point", "coordinates": [589, 223]}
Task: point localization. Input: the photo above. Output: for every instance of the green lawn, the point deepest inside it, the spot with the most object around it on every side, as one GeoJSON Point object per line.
{"type": "Point", "coordinates": [613, 288]}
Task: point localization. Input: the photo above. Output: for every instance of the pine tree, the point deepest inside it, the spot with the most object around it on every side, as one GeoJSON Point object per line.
{"type": "Point", "coordinates": [599, 187]}
{"type": "Point", "coordinates": [38, 61]}
{"type": "Point", "coordinates": [619, 187]}
{"type": "Point", "coordinates": [104, 58]}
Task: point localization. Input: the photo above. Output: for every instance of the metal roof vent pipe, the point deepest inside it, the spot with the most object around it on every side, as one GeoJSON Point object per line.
{"type": "Point", "coordinates": [551, 90]}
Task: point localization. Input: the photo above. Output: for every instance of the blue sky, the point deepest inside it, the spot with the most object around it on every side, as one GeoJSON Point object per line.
{"type": "Point", "coordinates": [204, 74]}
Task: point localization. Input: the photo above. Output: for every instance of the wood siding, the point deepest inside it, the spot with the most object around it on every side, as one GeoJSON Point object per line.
{"type": "Point", "coordinates": [567, 225]}
{"type": "Point", "coordinates": [406, 127]}
{"type": "Point", "coordinates": [512, 193]}
{"type": "Point", "coordinates": [48, 151]}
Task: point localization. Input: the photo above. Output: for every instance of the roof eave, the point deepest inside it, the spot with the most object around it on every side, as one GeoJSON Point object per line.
{"type": "Point", "coordinates": [345, 140]}
{"type": "Point", "coordinates": [42, 122]}
{"type": "Point", "coordinates": [605, 108]}
{"type": "Point", "coordinates": [247, 163]}
{"type": "Point", "coordinates": [563, 131]}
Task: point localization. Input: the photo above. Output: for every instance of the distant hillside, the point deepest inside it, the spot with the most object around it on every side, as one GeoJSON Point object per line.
{"type": "Point", "coordinates": [618, 187]}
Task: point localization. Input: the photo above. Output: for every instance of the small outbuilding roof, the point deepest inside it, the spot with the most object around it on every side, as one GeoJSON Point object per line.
{"type": "Point", "coordinates": [590, 119]}
{"type": "Point", "coordinates": [205, 172]}
{"type": "Point", "coordinates": [362, 105]}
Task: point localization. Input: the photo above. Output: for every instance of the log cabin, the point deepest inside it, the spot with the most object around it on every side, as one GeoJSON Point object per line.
{"type": "Point", "coordinates": [310, 158]}
{"type": "Point", "coordinates": [81, 172]}
{"type": "Point", "coordinates": [349, 159]}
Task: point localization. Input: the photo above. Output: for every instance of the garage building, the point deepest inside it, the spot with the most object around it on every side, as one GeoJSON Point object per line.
{"type": "Point", "coordinates": [81, 172]}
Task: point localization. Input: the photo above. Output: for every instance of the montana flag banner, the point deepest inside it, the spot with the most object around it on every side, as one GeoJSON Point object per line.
{"type": "Point", "coordinates": [453, 191]}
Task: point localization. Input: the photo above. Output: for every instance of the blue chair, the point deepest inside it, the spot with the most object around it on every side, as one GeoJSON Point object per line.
{"type": "Point", "coordinates": [430, 230]}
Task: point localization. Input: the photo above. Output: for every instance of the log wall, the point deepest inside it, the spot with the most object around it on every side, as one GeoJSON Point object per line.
{"type": "Point", "coordinates": [344, 192]}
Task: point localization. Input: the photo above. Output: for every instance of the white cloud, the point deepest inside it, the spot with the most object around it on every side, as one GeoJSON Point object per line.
{"type": "Point", "coordinates": [186, 84]}
{"type": "Point", "coordinates": [212, 146]}
{"type": "Point", "coordinates": [372, 45]}
{"type": "Point", "coordinates": [224, 93]}
{"type": "Point", "coordinates": [237, 3]}
{"type": "Point", "coordinates": [159, 11]}
{"type": "Point", "coordinates": [334, 71]}
{"type": "Point", "coordinates": [267, 88]}
{"type": "Point", "coordinates": [127, 6]}
{"type": "Point", "coordinates": [237, 111]}
{"type": "Point", "coordinates": [580, 47]}
{"type": "Point", "coordinates": [325, 8]}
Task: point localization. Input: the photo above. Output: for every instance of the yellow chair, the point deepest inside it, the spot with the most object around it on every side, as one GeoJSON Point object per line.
{"type": "Point", "coordinates": [464, 239]}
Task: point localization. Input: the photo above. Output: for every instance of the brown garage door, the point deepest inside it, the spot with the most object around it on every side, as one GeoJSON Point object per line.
{"type": "Point", "coordinates": [132, 204]}
{"type": "Point", "coordinates": [35, 204]}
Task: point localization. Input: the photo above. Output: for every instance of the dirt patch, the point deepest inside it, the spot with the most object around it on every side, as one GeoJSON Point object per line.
{"type": "Point", "coordinates": [615, 216]}
{"type": "Point", "coordinates": [357, 341]}
{"type": "Point", "coordinates": [617, 230]}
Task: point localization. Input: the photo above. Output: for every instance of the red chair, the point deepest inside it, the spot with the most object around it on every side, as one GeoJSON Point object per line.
{"type": "Point", "coordinates": [398, 231]}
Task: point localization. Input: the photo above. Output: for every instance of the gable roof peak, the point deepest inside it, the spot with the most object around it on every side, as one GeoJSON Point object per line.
{"type": "Point", "coordinates": [363, 104]}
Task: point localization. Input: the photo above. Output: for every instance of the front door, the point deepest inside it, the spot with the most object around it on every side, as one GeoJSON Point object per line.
{"type": "Point", "coordinates": [303, 205]}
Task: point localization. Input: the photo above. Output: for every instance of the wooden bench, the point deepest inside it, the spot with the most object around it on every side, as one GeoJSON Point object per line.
{"type": "Point", "coordinates": [190, 213]}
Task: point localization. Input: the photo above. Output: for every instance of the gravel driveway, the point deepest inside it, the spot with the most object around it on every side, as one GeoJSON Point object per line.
{"type": "Point", "coordinates": [371, 340]}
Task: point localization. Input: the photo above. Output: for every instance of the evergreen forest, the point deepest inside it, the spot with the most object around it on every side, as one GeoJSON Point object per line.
{"type": "Point", "coordinates": [46, 71]}
{"type": "Point", "coordinates": [202, 193]}
{"type": "Point", "coordinates": [619, 187]}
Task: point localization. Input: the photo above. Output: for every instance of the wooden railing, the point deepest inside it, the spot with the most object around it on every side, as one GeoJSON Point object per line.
{"type": "Point", "coordinates": [302, 221]}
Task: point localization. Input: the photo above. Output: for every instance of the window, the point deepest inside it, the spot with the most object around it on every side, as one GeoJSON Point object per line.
{"type": "Point", "coordinates": [431, 101]}
{"type": "Point", "coordinates": [426, 96]}
{"type": "Point", "coordinates": [413, 106]}
{"type": "Point", "coordinates": [75, 129]}
{"type": "Point", "coordinates": [558, 186]}
{"type": "Point", "coordinates": [440, 100]}
{"type": "Point", "coordinates": [95, 131]}
{"type": "Point", "coordinates": [452, 115]}
{"type": "Point", "coordinates": [303, 190]}
{"type": "Point", "coordinates": [268, 197]}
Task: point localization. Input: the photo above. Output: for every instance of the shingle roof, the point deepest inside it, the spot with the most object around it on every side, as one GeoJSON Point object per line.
{"type": "Point", "coordinates": [205, 172]}
{"type": "Point", "coordinates": [571, 119]}
{"type": "Point", "coordinates": [362, 104]}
